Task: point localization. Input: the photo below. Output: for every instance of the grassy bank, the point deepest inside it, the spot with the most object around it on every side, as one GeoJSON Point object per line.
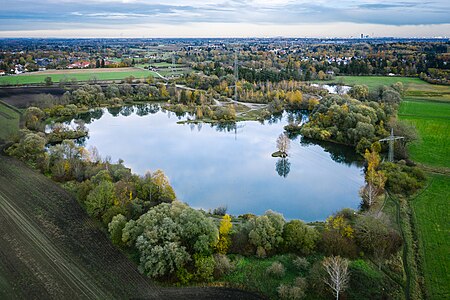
{"type": "Point", "coordinates": [9, 121]}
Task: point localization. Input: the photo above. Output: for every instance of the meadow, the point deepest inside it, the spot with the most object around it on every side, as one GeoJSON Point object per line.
{"type": "Point", "coordinates": [432, 218]}
{"type": "Point", "coordinates": [432, 121]}
{"type": "Point", "coordinates": [375, 81]}
{"type": "Point", "coordinates": [80, 75]}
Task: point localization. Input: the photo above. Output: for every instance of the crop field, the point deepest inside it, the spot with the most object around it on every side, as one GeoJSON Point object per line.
{"type": "Point", "coordinates": [80, 75]}
{"type": "Point", "coordinates": [432, 215]}
{"type": "Point", "coordinates": [9, 121]}
{"type": "Point", "coordinates": [50, 248]}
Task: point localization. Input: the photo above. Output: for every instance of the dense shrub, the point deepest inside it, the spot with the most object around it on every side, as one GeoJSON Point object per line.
{"type": "Point", "coordinates": [276, 270]}
{"type": "Point", "coordinates": [299, 238]}
{"type": "Point", "coordinates": [265, 232]}
{"type": "Point", "coordinates": [403, 180]}
{"type": "Point", "coordinates": [223, 265]}
{"type": "Point", "coordinates": [301, 263]}
{"type": "Point", "coordinates": [294, 291]}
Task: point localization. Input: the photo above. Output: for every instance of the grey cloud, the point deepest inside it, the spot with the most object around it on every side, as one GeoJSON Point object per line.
{"type": "Point", "coordinates": [103, 13]}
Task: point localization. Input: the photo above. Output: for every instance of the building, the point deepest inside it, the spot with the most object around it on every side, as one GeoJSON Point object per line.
{"type": "Point", "coordinates": [79, 65]}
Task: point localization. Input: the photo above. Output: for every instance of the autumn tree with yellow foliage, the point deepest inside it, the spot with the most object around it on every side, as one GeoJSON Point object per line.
{"type": "Point", "coordinates": [375, 179]}
{"type": "Point", "coordinates": [224, 235]}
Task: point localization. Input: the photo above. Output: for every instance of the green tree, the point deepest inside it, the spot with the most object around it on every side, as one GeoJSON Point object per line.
{"type": "Point", "coordinates": [33, 117]}
{"type": "Point", "coordinates": [299, 237]}
{"type": "Point", "coordinates": [31, 147]}
{"type": "Point", "coordinates": [167, 237]}
{"type": "Point", "coordinates": [161, 190]}
{"type": "Point", "coordinates": [360, 92]}
{"type": "Point", "coordinates": [48, 81]}
{"type": "Point", "coordinates": [115, 228]}
{"type": "Point", "coordinates": [265, 232]}
{"type": "Point", "coordinates": [100, 199]}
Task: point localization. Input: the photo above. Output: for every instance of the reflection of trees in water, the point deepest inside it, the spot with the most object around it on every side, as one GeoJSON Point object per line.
{"type": "Point", "coordinates": [90, 116]}
{"type": "Point", "coordinates": [296, 116]}
{"type": "Point", "coordinates": [127, 111]}
{"type": "Point", "coordinates": [81, 142]}
{"type": "Point", "coordinates": [275, 118]}
{"type": "Point", "coordinates": [192, 126]}
{"type": "Point", "coordinates": [145, 109]}
{"type": "Point", "coordinates": [283, 167]}
{"type": "Point", "coordinates": [114, 111]}
{"type": "Point", "coordinates": [338, 153]}
{"type": "Point", "coordinates": [225, 126]}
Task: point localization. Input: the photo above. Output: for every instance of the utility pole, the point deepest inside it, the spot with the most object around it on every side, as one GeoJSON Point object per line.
{"type": "Point", "coordinates": [173, 63]}
{"type": "Point", "coordinates": [391, 139]}
{"type": "Point", "coordinates": [236, 76]}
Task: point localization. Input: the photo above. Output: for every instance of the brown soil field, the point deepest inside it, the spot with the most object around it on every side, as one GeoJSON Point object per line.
{"type": "Point", "coordinates": [51, 249]}
{"type": "Point", "coordinates": [22, 97]}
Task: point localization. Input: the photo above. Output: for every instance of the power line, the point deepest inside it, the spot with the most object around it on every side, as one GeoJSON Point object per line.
{"type": "Point", "coordinates": [391, 139]}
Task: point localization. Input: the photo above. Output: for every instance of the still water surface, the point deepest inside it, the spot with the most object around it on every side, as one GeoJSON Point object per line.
{"type": "Point", "coordinates": [211, 167]}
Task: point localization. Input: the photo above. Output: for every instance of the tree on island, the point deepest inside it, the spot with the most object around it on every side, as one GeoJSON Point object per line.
{"type": "Point", "coordinates": [283, 144]}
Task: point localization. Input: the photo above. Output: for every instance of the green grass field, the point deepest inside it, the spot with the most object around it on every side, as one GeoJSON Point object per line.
{"type": "Point", "coordinates": [9, 122]}
{"type": "Point", "coordinates": [415, 87]}
{"type": "Point", "coordinates": [432, 216]}
{"type": "Point", "coordinates": [375, 81]}
{"type": "Point", "coordinates": [82, 76]}
{"type": "Point", "coordinates": [165, 65]}
{"type": "Point", "coordinates": [432, 121]}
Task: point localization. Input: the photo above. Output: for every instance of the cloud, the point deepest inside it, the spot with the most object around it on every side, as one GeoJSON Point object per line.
{"type": "Point", "coordinates": [46, 14]}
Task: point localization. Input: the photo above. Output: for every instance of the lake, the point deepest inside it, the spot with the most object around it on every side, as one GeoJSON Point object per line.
{"type": "Point", "coordinates": [232, 166]}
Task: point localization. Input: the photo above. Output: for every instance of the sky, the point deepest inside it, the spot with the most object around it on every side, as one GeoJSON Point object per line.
{"type": "Point", "coordinates": [224, 18]}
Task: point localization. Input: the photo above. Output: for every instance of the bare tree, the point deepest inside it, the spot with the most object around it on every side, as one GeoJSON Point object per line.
{"type": "Point", "coordinates": [369, 194]}
{"type": "Point", "coordinates": [338, 276]}
{"type": "Point", "coordinates": [283, 144]}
